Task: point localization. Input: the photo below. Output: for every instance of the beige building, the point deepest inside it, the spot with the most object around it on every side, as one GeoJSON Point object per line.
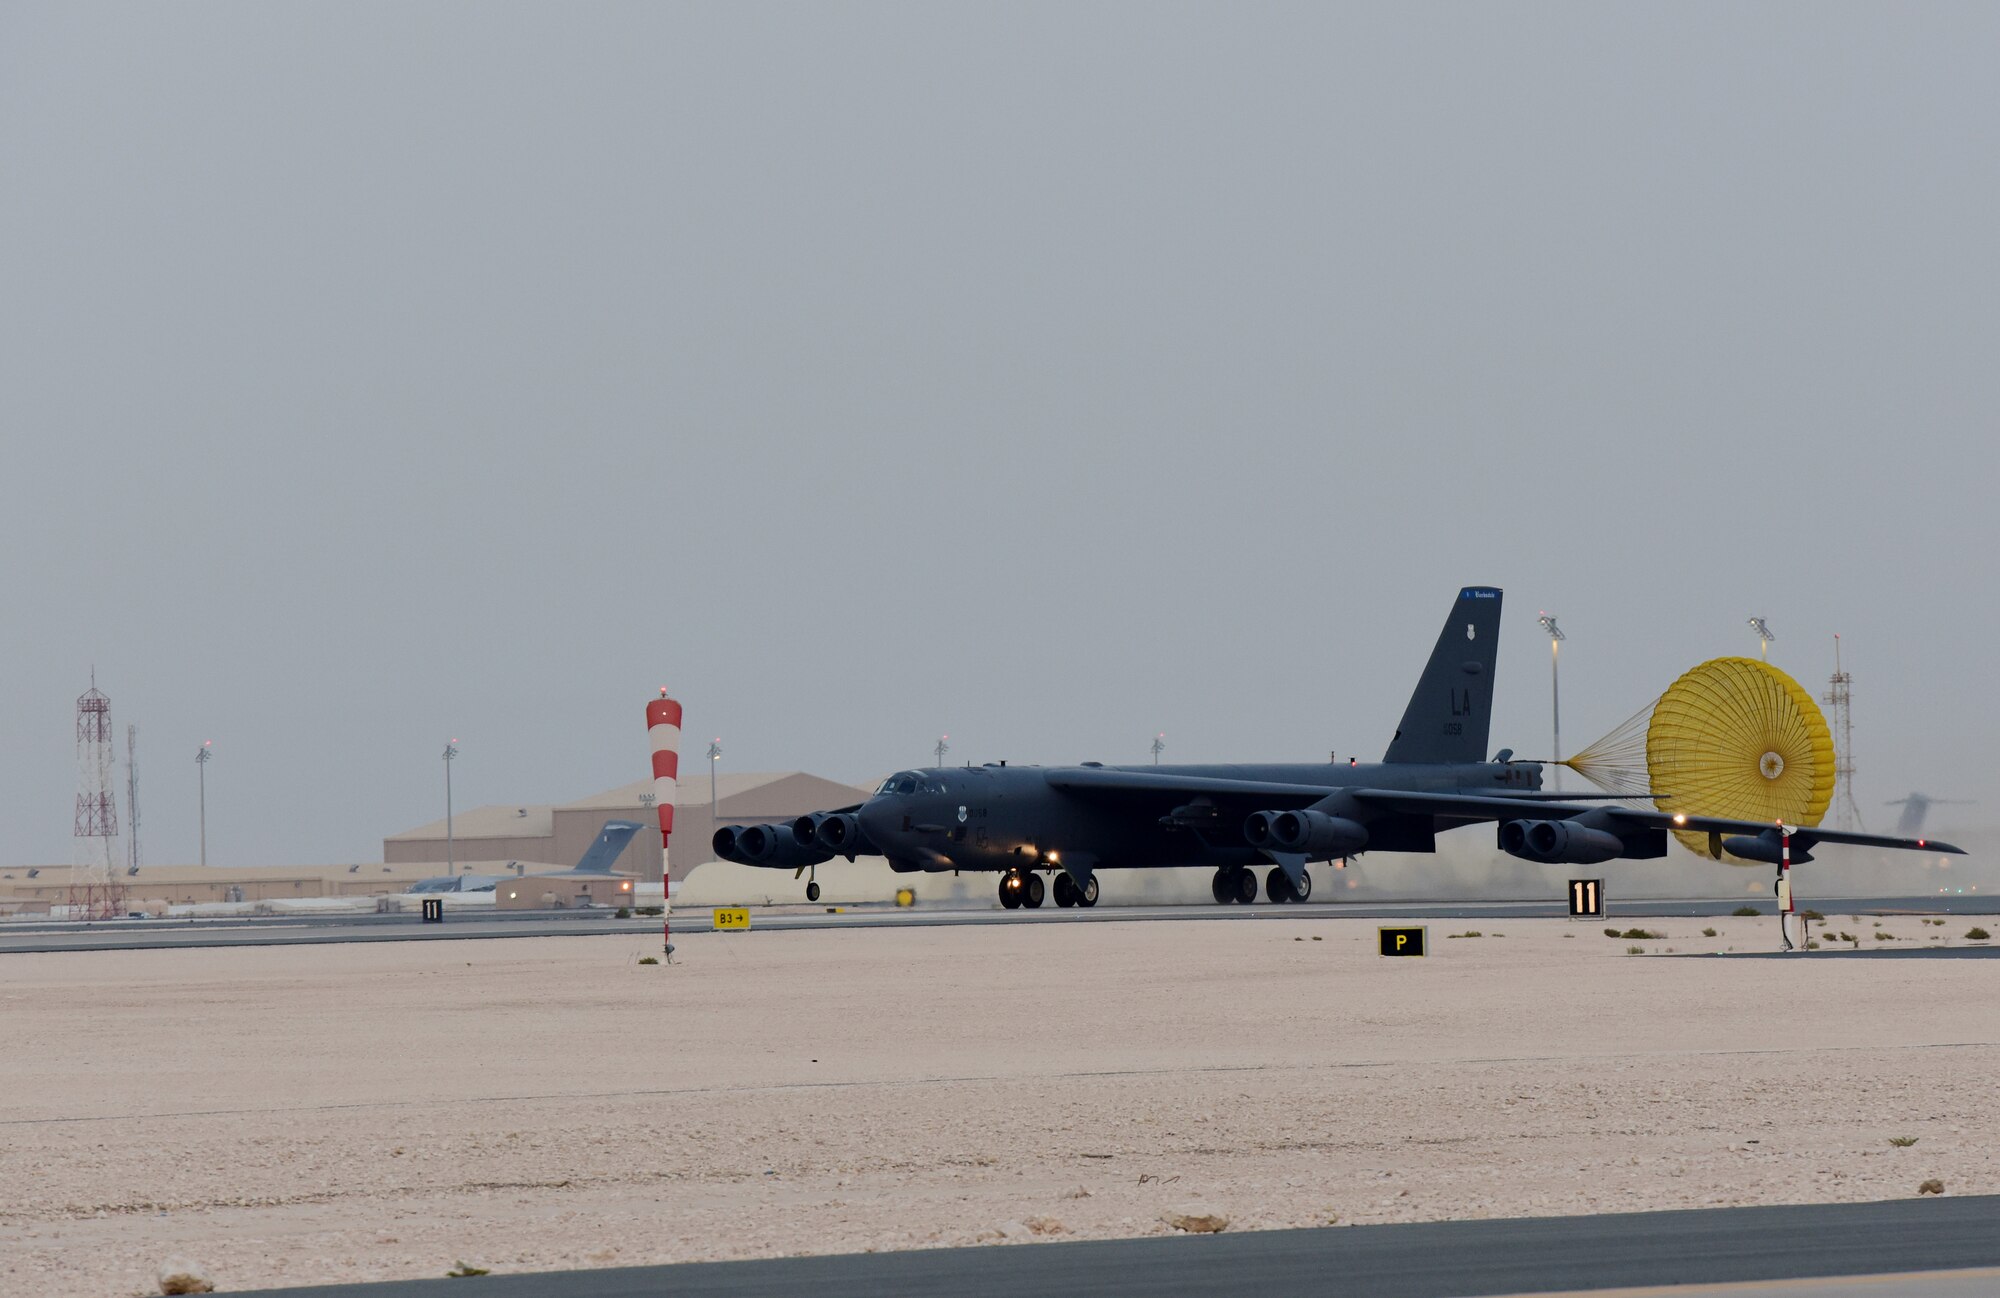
{"type": "Point", "coordinates": [561, 832]}
{"type": "Point", "coordinates": [34, 889]}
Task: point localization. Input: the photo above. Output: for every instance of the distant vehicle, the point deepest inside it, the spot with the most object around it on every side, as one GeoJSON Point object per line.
{"type": "Point", "coordinates": [1071, 821]}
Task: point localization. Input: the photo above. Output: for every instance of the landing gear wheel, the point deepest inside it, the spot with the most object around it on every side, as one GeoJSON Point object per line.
{"type": "Point", "coordinates": [1065, 890]}
{"type": "Point", "coordinates": [1278, 885]}
{"type": "Point", "coordinates": [1223, 886]}
{"type": "Point", "coordinates": [1035, 891]}
{"type": "Point", "coordinates": [1246, 885]}
{"type": "Point", "coordinates": [812, 892]}
{"type": "Point", "coordinates": [1087, 894]}
{"type": "Point", "coordinates": [1010, 890]}
{"type": "Point", "coordinates": [1303, 889]}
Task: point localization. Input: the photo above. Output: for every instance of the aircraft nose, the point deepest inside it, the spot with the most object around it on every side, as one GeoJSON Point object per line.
{"type": "Point", "coordinates": [879, 821]}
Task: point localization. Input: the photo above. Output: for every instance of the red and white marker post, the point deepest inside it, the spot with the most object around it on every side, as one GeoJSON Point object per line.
{"type": "Point", "coordinates": [663, 728]}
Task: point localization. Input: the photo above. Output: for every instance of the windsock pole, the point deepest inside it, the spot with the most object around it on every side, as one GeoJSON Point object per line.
{"type": "Point", "coordinates": [663, 728]}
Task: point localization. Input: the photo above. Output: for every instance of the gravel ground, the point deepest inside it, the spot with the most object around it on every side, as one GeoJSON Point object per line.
{"type": "Point", "coordinates": [316, 1114]}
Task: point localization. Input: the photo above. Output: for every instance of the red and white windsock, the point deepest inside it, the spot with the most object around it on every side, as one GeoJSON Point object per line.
{"type": "Point", "coordinates": [663, 728]}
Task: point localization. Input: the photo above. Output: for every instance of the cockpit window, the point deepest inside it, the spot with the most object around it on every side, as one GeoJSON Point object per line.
{"type": "Point", "coordinates": [902, 782]}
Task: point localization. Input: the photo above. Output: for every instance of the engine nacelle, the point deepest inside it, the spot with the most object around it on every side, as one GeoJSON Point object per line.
{"type": "Point", "coordinates": [841, 835]}
{"type": "Point", "coordinates": [773, 847]}
{"type": "Point", "coordinates": [1314, 834]}
{"type": "Point", "coordinates": [724, 844]}
{"type": "Point", "coordinates": [806, 827]}
{"type": "Point", "coordinates": [1320, 836]}
{"type": "Point", "coordinates": [1257, 829]}
{"type": "Point", "coordinates": [1559, 842]}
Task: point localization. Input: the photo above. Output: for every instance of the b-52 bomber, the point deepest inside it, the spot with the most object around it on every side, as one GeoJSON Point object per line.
{"type": "Point", "coordinates": [1069, 822]}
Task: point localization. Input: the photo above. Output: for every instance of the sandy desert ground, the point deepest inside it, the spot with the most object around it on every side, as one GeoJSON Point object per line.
{"type": "Point", "coordinates": [314, 1114]}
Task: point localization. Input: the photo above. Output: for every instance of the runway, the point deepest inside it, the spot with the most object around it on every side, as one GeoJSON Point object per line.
{"type": "Point", "coordinates": [296, 930]}
{"type": "Point", "coordinates": [1954, 1243]}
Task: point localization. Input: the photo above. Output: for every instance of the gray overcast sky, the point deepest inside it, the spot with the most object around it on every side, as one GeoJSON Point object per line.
{"type": "Point", "coordinates": [374, 374]}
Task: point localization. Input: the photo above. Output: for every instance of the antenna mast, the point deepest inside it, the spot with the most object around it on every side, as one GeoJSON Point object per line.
{"type": "Point", "coordinates": [132, 798]}
{"type": "Point", "coordinates": [92, 894]}
{"type": "Point", "coordinates": [1846, 814]}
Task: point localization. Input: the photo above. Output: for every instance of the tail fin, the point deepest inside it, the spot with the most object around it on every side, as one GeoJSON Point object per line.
{"type": "Point", "coordinates": [610, 842]}
{"type": "Point", "coordinates": [1448, 716]}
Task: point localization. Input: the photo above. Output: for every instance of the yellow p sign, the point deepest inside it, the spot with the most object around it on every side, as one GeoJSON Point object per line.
{"type": "Point", "coordinates": [1402, 941]}
{"type": "Point", "coordinates": [732, 918]}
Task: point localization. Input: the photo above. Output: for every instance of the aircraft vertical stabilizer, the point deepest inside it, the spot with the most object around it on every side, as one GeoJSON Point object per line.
{"type": "Point", "coordinates": [1449, 715]}
{"type": "Point", "coordinates": [611, 840]}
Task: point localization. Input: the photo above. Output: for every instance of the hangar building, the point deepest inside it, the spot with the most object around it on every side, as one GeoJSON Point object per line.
{"type": "Point", "coordinates": [558, 834]}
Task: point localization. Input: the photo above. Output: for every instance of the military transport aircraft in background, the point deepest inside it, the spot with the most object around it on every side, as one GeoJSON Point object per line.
{"type": "Point", "coordinates": [1069, 822]}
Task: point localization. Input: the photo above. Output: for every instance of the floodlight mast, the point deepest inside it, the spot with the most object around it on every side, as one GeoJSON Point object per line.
{"type": "Point", "coordinates": [714, 756]}
{"type": "Point", "coordinates": [1762, 630]}
{"type": "Point", "coordinates": [1159, 746]}
{"type": "Point", "coordinates": [1556, 637]}
{"type": "Point", "coordinates": [201, 757]}
{"type": "Point", "coordinates": [942, 748]}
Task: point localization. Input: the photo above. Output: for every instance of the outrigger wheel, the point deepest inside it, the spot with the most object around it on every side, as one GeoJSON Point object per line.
{"type": "Point", "coordinates": [1737, 738]}
{"type": "Point", "coordinates": [812, 891]}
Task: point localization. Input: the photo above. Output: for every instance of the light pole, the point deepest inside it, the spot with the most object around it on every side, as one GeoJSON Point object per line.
{"type": "Point", "coordinates": [1159, 746]}
{"type": "Point", "coordinates": [1556, 637]}
{"type": "Point", "coordinates": [450, 848]}
{"type": "Point", "coordinates": [942, 748]}
{"type": "Point", "coordinates": [1762, 630]}
{"type": "Point", "coordinates": [714, 756]}
{"type": "Point", "coordinates": [201, 756]}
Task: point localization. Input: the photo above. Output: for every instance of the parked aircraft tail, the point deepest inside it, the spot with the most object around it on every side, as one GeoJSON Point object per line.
{"type": "Point", "coordinates": [1448, 716]}
{"type": "Point", "coordinates": [610, 842]}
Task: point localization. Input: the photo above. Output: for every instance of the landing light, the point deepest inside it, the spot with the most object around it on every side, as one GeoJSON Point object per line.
{"type": "Point", "coordinates": [1680, 819]}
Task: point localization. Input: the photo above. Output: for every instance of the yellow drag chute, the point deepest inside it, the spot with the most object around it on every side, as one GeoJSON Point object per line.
{"type": "Point", "coordinates": [1734, 738]}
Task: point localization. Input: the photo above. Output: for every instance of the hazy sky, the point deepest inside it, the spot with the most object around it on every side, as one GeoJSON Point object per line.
{"type": "Point", "coordinates": [1051, 375]}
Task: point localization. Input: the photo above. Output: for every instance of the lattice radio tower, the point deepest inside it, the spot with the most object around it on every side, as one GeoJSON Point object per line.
{"type": "Point", "coordinates": [1846, 814]}
{"type": "Point", "coordinates": [93, 892]}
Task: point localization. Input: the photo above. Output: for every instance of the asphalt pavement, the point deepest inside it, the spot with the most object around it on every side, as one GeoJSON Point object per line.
{"type": "Point", "coordinates": [293, 930]}
{"type": "Point", "coordinates": [1746, 1248]}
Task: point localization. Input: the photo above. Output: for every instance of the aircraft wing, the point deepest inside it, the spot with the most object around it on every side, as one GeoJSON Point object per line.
{"type": "Point", "coordinates": [1477, 807]}
{"type": "Point", "coordinates": [1090, 780]}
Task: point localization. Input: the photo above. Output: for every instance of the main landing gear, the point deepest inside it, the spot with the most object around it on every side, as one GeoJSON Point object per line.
{"type": "Point", "coordinates": [1234, 883]}
{"type": "Point", "coordinates": [1068, 894]}
{"type": "Point", "coordinates": [1278, 886]}
{"type": "Point", "coordinates": [1021, 888]}
{"type": "Point", "coordinates": [1238, 884]}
